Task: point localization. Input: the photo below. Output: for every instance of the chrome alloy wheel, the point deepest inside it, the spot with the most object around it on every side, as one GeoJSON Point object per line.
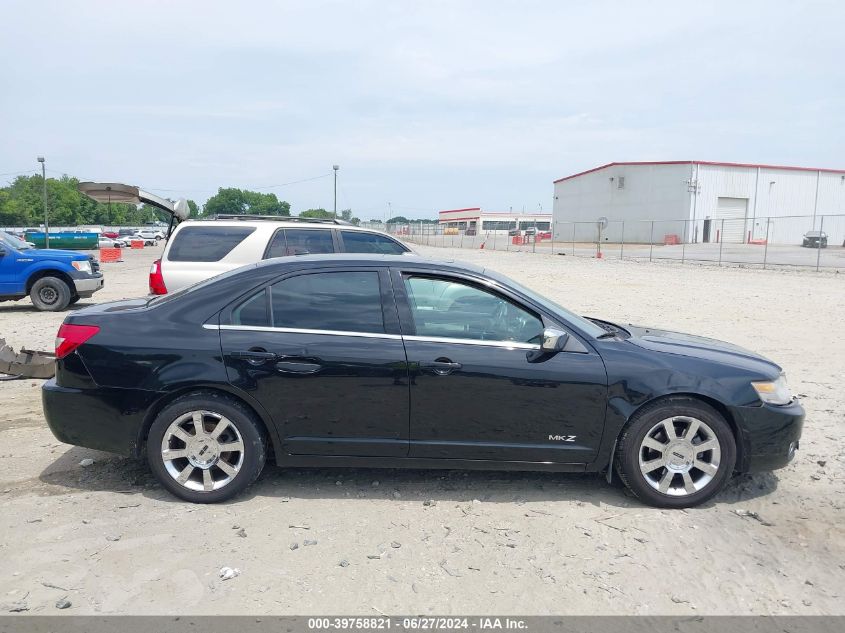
{"type": "Point", "coordinates": [679, 456]}
{"type": "Point", "coordinates": [202, 450]}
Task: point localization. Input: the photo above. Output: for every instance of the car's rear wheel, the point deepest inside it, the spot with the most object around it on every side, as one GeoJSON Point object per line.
{"type": "Point", "coordinates": [206, 447]}
{"type": "Point", "coordinates": [50, 294]}
{"type": "Point", "coordinates": [676, 453]}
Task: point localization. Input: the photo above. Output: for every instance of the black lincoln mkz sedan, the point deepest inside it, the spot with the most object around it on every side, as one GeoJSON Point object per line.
{"type": "Point", "coordinates": [396, 361]}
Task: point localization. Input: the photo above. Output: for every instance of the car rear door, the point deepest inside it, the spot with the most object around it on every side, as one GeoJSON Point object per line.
{"type": "Point", "coordinates": [321, 350]}
{"type": "Point", "coordinates": [479, 387]}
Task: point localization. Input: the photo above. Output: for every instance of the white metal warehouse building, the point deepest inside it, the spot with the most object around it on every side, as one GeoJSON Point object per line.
{"type": "Point", "coordinates": [476, 221]}
{"type": "Point", "coordinates": [698, 201]}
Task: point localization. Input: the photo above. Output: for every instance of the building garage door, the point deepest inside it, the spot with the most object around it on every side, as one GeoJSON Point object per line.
{"type": "Point", "coordinates": [733, 212]}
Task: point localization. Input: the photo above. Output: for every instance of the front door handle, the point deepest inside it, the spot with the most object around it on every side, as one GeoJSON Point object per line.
{"type": "Point", "coordinates": [254, 356]}
{"type": "Point", "coordinates": [441, 366]}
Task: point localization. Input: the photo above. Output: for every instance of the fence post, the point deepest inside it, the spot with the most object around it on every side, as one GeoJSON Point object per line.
{"type": "Point", "coordinates": [651, 241]}
{"type": "Point", "coordinates": [462, 238]}
{"type": "Point", "coordinates": [622, 242]}
{"type": "Point", "coordinates": [534, 243]}
{"type": "Point", "coordinates": [766, 245]}
{"type": "Point", "coordinates": [684, 243]}
{"type": "Point", "coordinates": [721, 240]}
{"type": "Point", "coordinates": [819, 250]}
{"type": "Point", "coordinates": [598, 242]}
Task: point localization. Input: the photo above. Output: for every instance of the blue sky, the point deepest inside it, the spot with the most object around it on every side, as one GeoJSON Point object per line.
{"type": "Point", "coordinates": [424, 105]}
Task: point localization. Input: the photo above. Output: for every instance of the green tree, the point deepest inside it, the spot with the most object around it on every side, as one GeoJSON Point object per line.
{"type": "Point", "coordinates": [399, 219]}
{"type": "Point", "coordinates": [194, 209]}
{"type": "Point", "coordinates": [317, 213]}
{"type": "Point", "coordinates": [242, 201]}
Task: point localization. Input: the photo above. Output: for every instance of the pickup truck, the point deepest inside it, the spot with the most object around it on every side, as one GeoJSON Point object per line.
{"type": "Point", "coordinates": [53, 279]}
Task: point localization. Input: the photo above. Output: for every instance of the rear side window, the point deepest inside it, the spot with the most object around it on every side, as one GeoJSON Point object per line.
{"type": "Point", "coordinates": [345, 301]}
{"type": "Point", "coordinates": [206, 243]}
{"type": "Point", "coordinates": [301, 242]}
{"type": "Point", "coordinates": [362, 242]}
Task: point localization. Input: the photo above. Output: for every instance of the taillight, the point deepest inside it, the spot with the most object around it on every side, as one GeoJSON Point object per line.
{"type": "Point", "coordinates": [157, 286]}
{"type": "Point", "coordinates": [72, 336]}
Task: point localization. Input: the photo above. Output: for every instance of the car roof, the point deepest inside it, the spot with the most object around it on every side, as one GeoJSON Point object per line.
{"type": "Point", "coordinates": [368, 259]}
{"type": "Point", "coordinates": [291, 222]}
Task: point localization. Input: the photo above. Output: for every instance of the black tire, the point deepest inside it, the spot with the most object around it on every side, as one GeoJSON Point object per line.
{"type": "Point", "coordinates": [630, 447]}
{"type": "Point", "coordinates": [50, 294]}
{"type": "Point", "coordinates": [73, 299]}
{"type": "Point", "coordinates": [239, 415]}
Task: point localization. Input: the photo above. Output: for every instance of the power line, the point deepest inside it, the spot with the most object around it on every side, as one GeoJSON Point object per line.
{"type": "Point", "coordinates": [17, 173]}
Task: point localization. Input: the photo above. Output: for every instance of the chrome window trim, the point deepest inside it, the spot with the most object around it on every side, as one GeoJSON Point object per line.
{"type": "Point", "coordinates": [293, 330]}
{"type": "Point", "coordinates": [472, 341]}
{"type": "Point", "coordinates": [422, 339]}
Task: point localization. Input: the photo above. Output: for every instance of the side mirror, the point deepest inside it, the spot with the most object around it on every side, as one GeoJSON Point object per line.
{"type": "Point", "coordinates": [554, 340]}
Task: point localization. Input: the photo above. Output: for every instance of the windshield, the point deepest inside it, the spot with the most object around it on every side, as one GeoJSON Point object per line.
{"type": "Point", "coordinates": [13, 242]}
{"type": "Point", "coordinates": [588, 327]}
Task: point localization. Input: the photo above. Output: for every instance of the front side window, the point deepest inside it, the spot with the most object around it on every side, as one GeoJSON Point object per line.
{"type": "Point", "coordinates": [344, 301]}
{"type": "Point", "coordinates": [446, 308]}
{"type": "Point", "coordinates": [206, 243]}
{"type": "Point", "coordinates": [363, 242]}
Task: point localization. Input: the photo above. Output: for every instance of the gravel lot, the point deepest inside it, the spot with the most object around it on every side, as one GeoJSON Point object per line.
{"type": "Point", "coordinates": [107, 539]}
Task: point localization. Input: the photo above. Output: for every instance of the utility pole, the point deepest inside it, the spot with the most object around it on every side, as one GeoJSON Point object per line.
{"type": "Point", "coordinates": [335, 168]}
{"type": "Point", "coordinates": [46, 223]}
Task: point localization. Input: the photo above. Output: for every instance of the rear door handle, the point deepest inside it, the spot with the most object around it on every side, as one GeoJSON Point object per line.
{"type": "Point", "coordinates": [293, 365]}
{"type": "Point", "coordinates": [254, 356]}
{"type": "Point", "coordinates": [441, 366]}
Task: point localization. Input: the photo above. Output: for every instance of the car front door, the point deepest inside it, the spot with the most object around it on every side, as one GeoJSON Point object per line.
{"type": "Point", "coordinates": [481, 389]}
{"type": "Point", "coordinates": [321, 350]}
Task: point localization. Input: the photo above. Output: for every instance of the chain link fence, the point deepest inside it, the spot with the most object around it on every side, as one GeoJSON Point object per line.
{"type": "Point", "coordinates": [816, 242]}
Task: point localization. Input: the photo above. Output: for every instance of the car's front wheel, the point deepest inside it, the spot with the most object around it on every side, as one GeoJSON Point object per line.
{"type": "Point", "coordinates": [206, 447]}
{"type": "Point", "coordinates": [676, 453]}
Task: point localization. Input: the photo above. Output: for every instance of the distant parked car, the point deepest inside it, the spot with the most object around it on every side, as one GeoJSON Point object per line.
{"type": "Point", "coordinates": [105, 242]}
{"type": "Point", "coordinates": [815, 239]}
{"type": "Point", "coordinates": [110, 234]}
{"type": "Point", "coordinates": [150, 233]}
{"type": "Point", "coordinates": [148, 240]}
{"type": "Point", "coordinates": [126, 232]}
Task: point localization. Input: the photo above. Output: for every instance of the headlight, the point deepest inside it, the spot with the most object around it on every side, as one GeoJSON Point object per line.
{"type": "Point", "coordinates": [82, 266]}
{"type": "Point", "coordinates": [773, 392]}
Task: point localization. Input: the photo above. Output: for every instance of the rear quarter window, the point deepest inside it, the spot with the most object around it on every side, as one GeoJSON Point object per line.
{"type": "Point", "coordinates": [206, 243]}
{"type": "Point", "coordinates": [363, 242]}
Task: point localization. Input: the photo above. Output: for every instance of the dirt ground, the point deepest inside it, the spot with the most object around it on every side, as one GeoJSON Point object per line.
{"type": "Point", "coordinates": [109, 540]}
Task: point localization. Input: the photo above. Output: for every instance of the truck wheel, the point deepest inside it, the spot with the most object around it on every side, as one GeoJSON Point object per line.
{"type": "Point", "coordinates": [50, 294]}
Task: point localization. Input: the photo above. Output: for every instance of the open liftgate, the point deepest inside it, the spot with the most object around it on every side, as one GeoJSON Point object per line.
{"type": "Point", "coordinates": [129, 194]}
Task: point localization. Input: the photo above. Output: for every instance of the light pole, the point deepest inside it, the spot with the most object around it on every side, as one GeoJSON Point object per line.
{"type": "Point", "coordinates": [46, 223]}
{"type": "Point", "coordinates": [335, 168]}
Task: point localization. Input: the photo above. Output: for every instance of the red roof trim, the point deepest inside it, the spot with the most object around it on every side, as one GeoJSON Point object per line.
{"type": "Point", "coordinates": [700, 162]}
{"type": "Point", "coordinates": [456, 210]}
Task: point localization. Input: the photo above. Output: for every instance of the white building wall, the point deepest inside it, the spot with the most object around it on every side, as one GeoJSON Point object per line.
{"type": "Point", "coordinates": [650, 193]}
{"type": "Point", "coordinates": [659, 194]}
{"type": "Point", "coordinates": [782, 201]}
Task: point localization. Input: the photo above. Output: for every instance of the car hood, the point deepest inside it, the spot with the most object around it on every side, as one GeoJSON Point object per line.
{"type": "Point", "coordinates": [698, 347]}
{"type": "Point", "coordinates": [51, 253]}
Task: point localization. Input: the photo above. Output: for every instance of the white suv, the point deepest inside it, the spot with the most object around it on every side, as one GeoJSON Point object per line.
{"type": "Point", "coordinates": [199, 249]}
